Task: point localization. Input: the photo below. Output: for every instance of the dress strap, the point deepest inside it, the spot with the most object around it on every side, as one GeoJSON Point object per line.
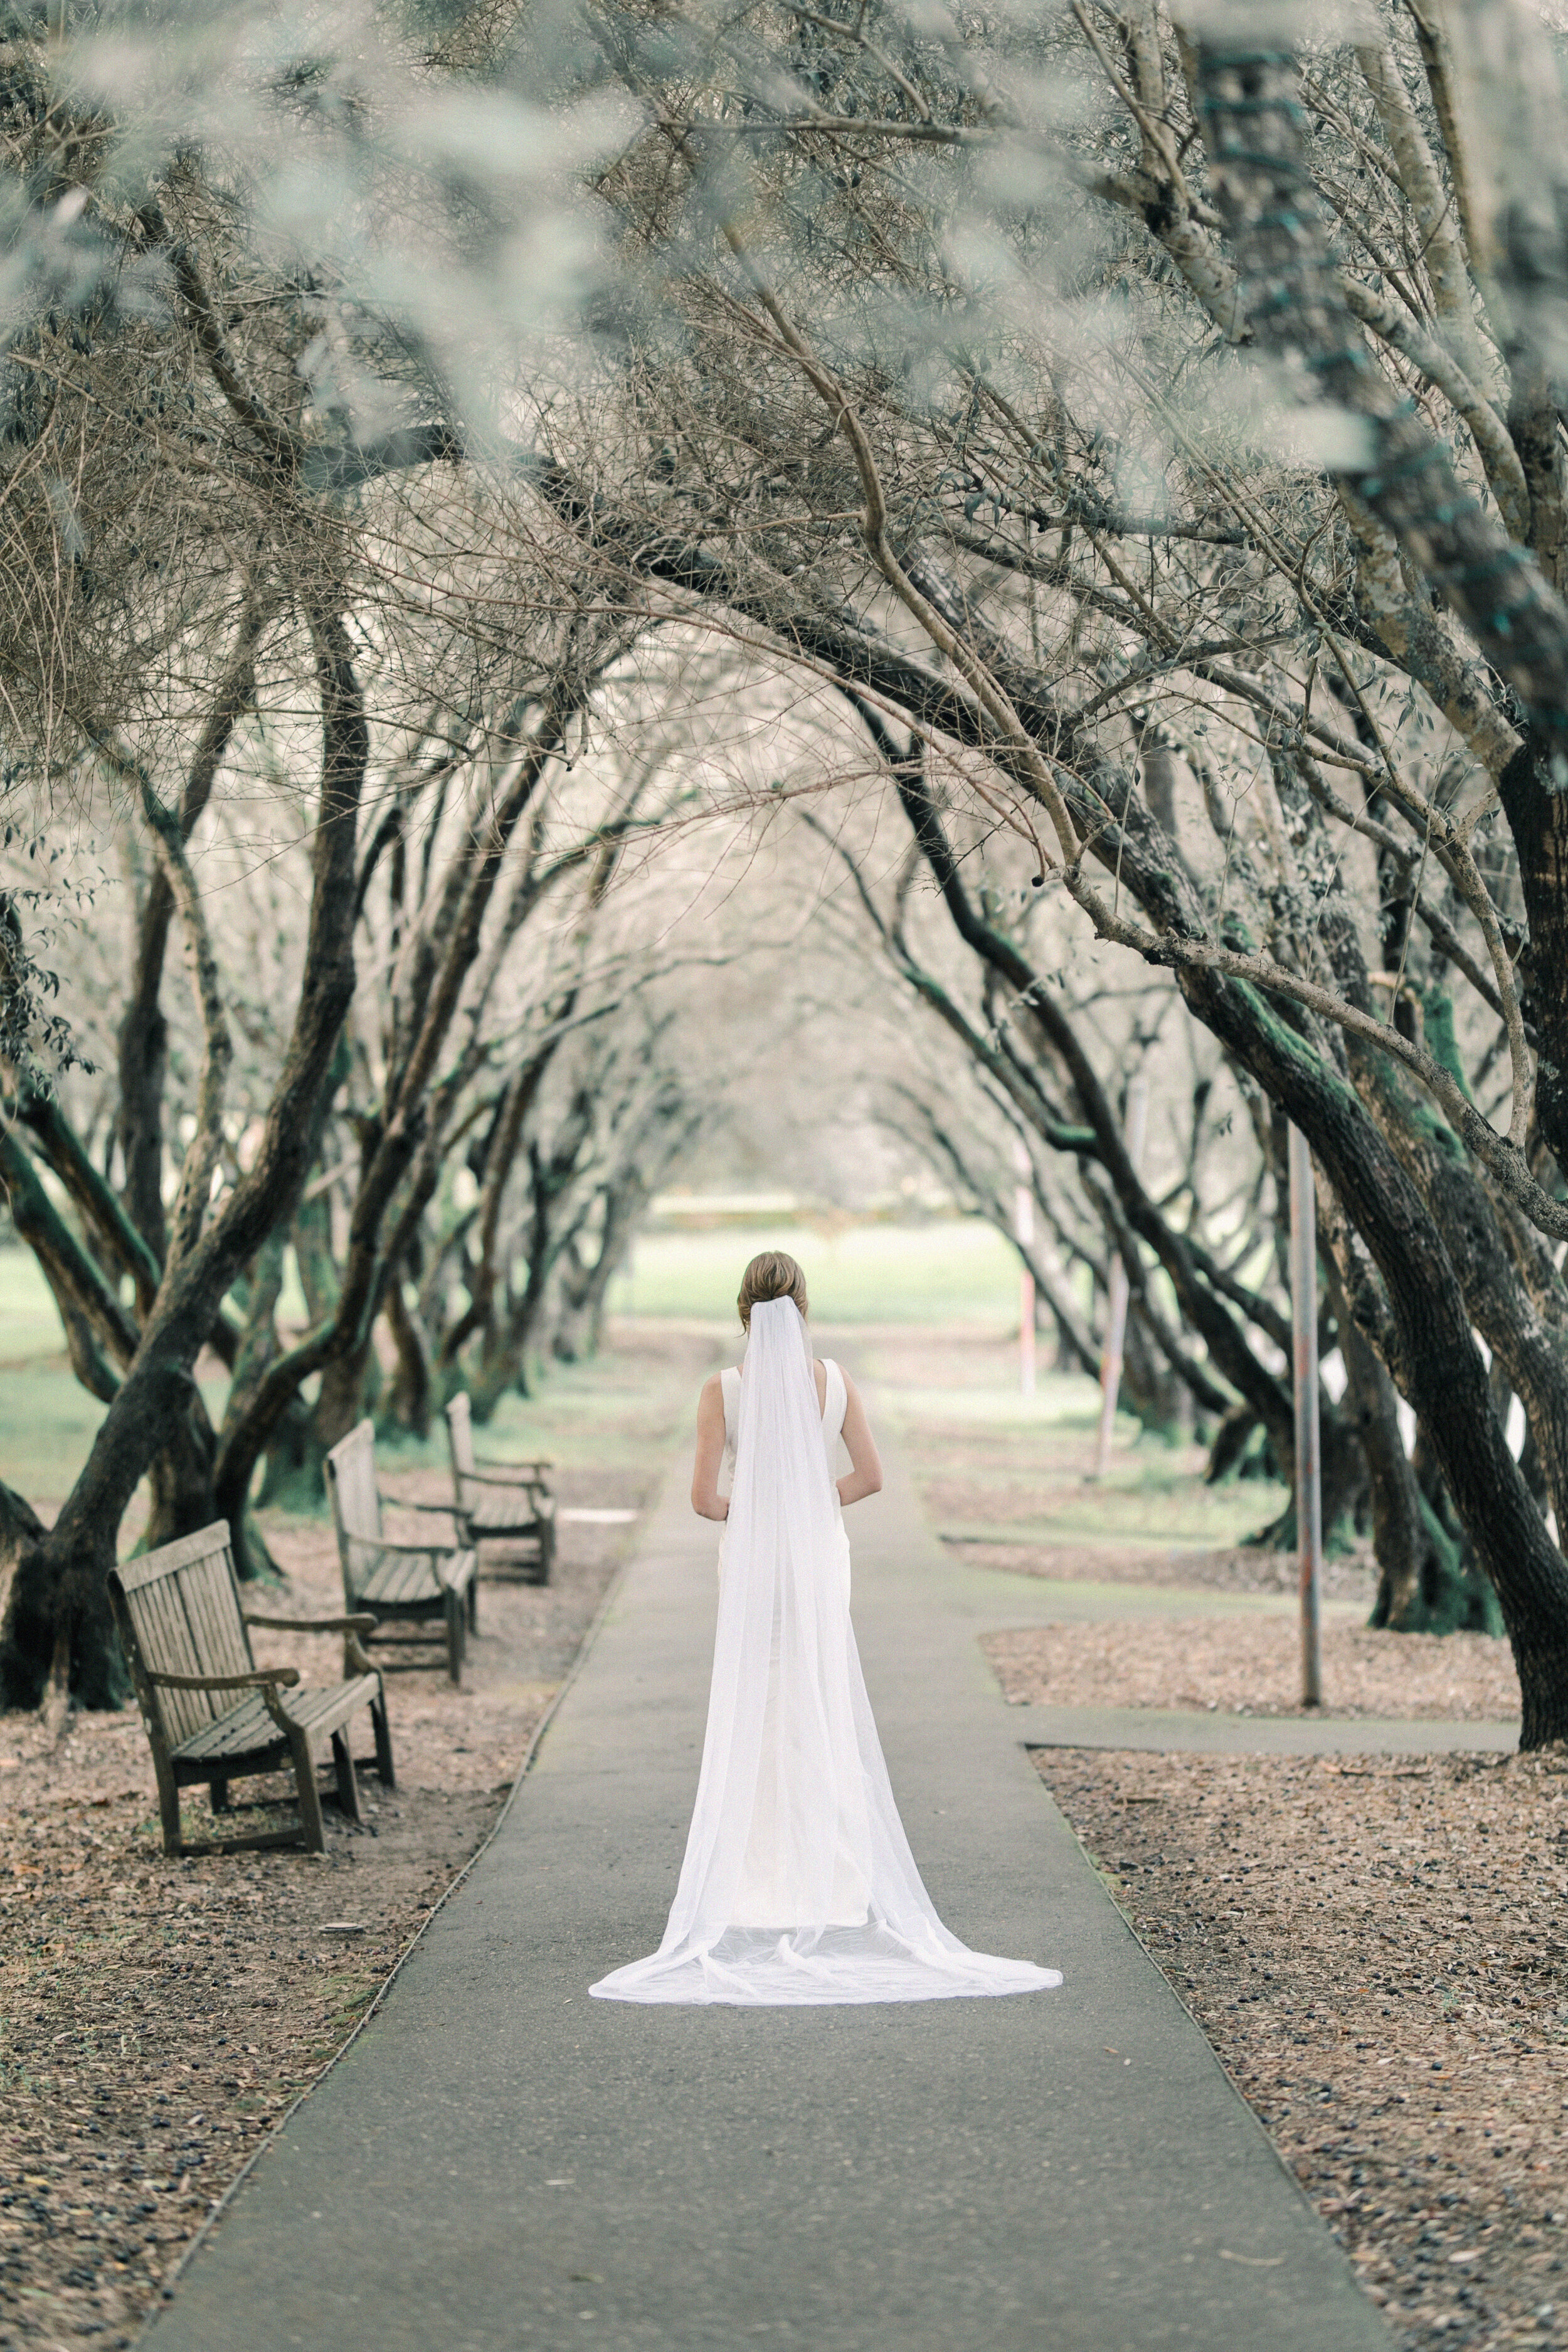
{"type": "Point", "coordinates": [730, 1379]}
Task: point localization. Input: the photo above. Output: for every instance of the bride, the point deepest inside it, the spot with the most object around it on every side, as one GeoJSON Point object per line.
{"type": "Point", "coordinates": [798, 1884]}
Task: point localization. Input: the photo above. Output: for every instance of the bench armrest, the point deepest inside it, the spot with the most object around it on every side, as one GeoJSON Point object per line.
{"type": "Point", "coordinates": [356, 1656]}
{"type": "Point", "coordinates": [521, 1485]}
{"type": "Point", "coordinates": [458, 1568]}
{"type": "Point", "coordinates": [268, 1680]}
{"type": "Point", "coordinates": [315, 1624]}
{"type": "Point", "coordinates": [492, 1463]}
{"type": "Point", "coordinates": [400, 1503]}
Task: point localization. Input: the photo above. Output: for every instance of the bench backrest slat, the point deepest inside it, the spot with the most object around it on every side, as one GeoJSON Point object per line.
{"type": "Point", "coordinates": [213, 1607]}
{"type": "Point", "coordinates": [460, 1434]}
{"type": "Point", "coordinates": [183, 1603]}
{"type": "Point", "coordinates": [356, 1503]}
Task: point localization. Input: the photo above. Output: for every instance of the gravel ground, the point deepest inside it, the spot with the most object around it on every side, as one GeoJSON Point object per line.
{"type": "Point", "coordinates": [157, 2017]}
{"type": "Point", "coordinates": [1377, 1953]}
{"type": "Point", "coordinates": [1251, 1665]}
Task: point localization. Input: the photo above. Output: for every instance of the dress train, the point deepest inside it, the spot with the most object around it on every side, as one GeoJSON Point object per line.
{"type": "Point", "coordinates": [798, 1885]}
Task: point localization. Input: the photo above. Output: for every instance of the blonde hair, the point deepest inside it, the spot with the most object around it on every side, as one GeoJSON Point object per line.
{"type": "Point", "coordinates": [772, 1274]}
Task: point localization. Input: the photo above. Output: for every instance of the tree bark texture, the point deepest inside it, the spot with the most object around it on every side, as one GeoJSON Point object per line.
{"type": "Point", "coordinates": [60, 1584]}
{"type": "Point", "coordinates": [400, 1164]}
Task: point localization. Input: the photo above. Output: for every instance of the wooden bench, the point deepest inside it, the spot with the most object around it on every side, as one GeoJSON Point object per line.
{"type": "Point", "coordinates": [402, 1584]}
{"type": "Point", "coordinates": [212, 1714]}
{"type": "Point", "coordinates": [501, 1502]}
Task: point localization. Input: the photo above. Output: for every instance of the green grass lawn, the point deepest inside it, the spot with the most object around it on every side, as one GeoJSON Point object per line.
{"type": "Point", "coordinates": [29, 1326]}
{"type": "Point", "coordinates": [957, 1273]}
{"type": "Point", "coordinates": [1032, 1455]}
{"type": "Point", "coordinates": [47, 1420]}
{"type": "Point", "coordinates": [954, 1271]}
{"type": "Point", "coordinates": [605, 1414]}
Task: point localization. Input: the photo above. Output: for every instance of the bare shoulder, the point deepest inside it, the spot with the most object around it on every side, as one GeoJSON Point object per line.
{"type": "Point", "coordinates": [712, 1392]}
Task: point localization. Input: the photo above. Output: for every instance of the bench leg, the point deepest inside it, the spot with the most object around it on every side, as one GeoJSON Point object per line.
{"type": "Point", "coordinates": [382, 1730]}
{"type": "Point", "coordinates": [218, 1793]}
{"type": "Point", "coordinates": [311, 1824]}
{"type": "Point", "coordinates": [455, 1615]}
{"type": "Point", "coordinates": [168, 1805]}
{"type": "Point", "coordinates": [546, 1549]}
{"type": "Point", "coordinates": [474, 1599]}
{"type": "Point", "coordinates": [343, 1765]}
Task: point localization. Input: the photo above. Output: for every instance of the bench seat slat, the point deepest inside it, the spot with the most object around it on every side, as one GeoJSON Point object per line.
{"type": "Point", "coordinates": [459, 1570]}
{"type": "Point", "coordinates": [399, 1579]}
{"type": "Point", "coordinates": [327, 1709]}
{"type": "Point", "coordinates": [249, 1729]}
{"type": "Point", "coordinates": [245, 1729]}
{"type": "Point", "coordinates": [500, 1515]}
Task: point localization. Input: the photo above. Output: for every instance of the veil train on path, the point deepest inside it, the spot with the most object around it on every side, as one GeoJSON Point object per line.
{"type": "Point", "coordinates": [798, 1885]}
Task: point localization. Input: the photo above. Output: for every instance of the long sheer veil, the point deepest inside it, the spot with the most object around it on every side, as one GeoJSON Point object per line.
{"type": "Point", "coordinates": [798, 1885]}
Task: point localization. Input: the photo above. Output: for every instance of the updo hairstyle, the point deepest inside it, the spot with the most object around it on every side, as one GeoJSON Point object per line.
{"type": "Point", "coordinates": [774, 1274]}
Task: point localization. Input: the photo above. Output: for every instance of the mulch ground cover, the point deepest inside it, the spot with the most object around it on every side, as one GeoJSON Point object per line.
{"type": "Point", "coordinates": [1348, 1576]}
{"type": "Point", "coordinates": [1251, 1665]}
{"type": "Point", "coordinates": [1377, 1951]}
{"type": "Point", "coordinates": [158, 2016]}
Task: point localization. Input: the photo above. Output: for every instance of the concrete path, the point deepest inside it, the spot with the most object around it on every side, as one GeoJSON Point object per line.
{"type": "Point", "coordinates": [499, 2163]}
{"type": "Point", "coordinates": [995, 1596]}
{"type": "Point", "coordinates": [1184, 1732]}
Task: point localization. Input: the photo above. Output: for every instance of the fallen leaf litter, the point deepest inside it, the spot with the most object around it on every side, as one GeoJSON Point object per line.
{"type": "Point", "coordinates": [1377, 1950]}
{"type": "Point", "coordinates": [1250, 1666]}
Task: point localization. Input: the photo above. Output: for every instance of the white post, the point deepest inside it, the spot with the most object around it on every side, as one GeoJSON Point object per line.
{"type": "Point", "coordinates": [1308, 1478]}
{"type": "Point", "coordinates": [1116, 1303]}
{"type": "Point", "coordinates": [1024, 1234]}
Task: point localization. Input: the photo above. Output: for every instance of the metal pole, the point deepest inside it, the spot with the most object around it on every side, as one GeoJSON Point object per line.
{"type": "Point", "coordinates": [1116, 1303]}
{"type": "Point", "coordinates": [1308, 1478]}
{"type": "Point", "coordinates": [1024, 1232]}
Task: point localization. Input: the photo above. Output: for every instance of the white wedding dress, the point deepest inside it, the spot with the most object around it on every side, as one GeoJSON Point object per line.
{"type": "Point", "coordinates": [798, 1885]}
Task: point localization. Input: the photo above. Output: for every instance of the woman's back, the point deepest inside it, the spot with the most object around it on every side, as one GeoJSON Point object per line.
{"type": "Point", "coordinates": [833, 1395]}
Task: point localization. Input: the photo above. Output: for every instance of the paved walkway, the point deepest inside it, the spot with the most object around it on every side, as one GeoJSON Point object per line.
{"type": "Point", "coordinates": [1184, 1732]}
{"type": "Point", "coordinates": [499, 2163]}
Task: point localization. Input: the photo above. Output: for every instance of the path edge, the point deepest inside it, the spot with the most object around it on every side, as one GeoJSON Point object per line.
{"type": "Point", "coordinates": [170, 2286]}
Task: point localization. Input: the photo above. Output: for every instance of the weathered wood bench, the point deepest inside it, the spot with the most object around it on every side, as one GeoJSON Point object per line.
{"type": "Point", "coordinates": [212, 1714]}
{"type": "Point", "coordinates": [403, 1585]}
{"type": "Point", "coordinates": [501, 1502]}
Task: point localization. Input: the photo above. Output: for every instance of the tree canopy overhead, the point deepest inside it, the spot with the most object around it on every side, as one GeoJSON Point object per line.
{"type": "Point", "coordinates": [1139, 432]}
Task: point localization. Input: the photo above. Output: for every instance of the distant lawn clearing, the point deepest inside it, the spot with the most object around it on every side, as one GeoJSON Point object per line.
{"type": "Point", "coordinates": [48, 1420]}
{"type": "Point", "coordinates": [955, 1271]}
